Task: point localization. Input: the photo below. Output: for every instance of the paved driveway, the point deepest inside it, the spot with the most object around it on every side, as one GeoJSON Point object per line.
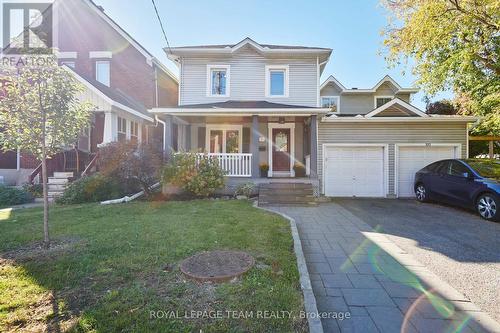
{"type": "Point", "coordinates": [390, 263]}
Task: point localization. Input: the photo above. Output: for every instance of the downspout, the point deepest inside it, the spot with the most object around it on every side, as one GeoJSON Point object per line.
{"type": "Point", "coordinates": [157, 103]}
{"type": "Point", "coordinates": [163, 136]}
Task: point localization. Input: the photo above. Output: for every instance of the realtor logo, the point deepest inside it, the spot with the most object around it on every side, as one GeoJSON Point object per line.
{"type": "Point", "coordinates": [27, 26]}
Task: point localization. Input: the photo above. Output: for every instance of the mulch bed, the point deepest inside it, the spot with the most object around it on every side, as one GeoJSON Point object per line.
{"type": "Point", "coordinates": [217, 266]}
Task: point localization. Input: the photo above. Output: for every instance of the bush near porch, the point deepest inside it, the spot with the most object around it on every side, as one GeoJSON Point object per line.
{"type": "Point", "coordinates": [113, 265]}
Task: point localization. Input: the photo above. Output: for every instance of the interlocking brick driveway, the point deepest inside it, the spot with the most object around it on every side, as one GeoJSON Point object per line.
{"type": "Point", "coordinates": [355, 269]}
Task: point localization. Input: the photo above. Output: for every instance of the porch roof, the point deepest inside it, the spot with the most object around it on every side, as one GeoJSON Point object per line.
{"type": "Point", "coordinates": [240, 108]}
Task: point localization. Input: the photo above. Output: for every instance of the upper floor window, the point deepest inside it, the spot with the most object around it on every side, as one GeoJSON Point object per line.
{"type": "Point", "coordinates": [218, 80]}
{"type": "Point", "coordinates": [277, 81]}
{"type": "Point", "coordinates": [381, 100]}
{"type": "Point", "coordinates": [102, 72]}
{"type": "Point", "coordinates": [330, 102]}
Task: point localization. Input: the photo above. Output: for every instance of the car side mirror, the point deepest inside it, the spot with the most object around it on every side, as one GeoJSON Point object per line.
{"type": "Point", "coordinates": [468, 175]}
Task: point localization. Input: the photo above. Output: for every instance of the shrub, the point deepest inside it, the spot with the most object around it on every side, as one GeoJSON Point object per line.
{"type": "Point", "coordinates": [10, 196]}
{"type": "Point", "coordinates": [137, 165]}
{"type": "Point", "coordinates": [200, 175]}
{"type": "Point", "coordinates": [245, 189]}
{"type": "Point", "coordinates": [300, 170]}
{"type": "Point", "coordinates": [36, 190]}
{"type": "Point", "coordinates": [93, 188]}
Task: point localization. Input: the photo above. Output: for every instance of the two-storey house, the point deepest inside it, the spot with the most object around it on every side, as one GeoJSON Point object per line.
{"type": "Point", "coordinates": [250, 104]}
{"type": "Point", "coordinates": [121, 79]}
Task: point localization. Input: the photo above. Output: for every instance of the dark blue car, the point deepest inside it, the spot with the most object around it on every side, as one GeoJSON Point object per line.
{"type": "Point", "coordinates": [471, 183]}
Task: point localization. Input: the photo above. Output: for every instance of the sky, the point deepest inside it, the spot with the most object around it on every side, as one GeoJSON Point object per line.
{"type": "Point", "coordinates": [351, 28]}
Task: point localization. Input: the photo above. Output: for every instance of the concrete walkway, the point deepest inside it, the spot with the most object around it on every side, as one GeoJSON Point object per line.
{"type": "Point", "coordinates": [358, 272]}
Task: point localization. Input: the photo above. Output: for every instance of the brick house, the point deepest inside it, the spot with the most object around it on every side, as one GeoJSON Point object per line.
{"type": "Point", "coordinates": [121, 78]}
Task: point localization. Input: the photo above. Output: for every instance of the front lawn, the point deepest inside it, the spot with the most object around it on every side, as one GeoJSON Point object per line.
{"type": "Point", "coordinates": [112, 266]}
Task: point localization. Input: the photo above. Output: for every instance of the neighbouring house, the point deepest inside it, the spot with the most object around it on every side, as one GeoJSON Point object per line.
{"type": "Point", "coordinates": [250, 104]}
{"type": "Point", "coordinates": [121, 78]}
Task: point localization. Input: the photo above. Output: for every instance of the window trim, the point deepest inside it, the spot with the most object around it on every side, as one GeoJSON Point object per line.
{"type": "Point", "coordinates": [286, 69]}
{"type": "Point", "coordinates": [97, 62]}
{"type": "Point", "coordinates": [338, 102]}
{"type": "Point", "coordinates": [68, 62]}
{"type": "Point", "coordinates": [381, 96]}
{"type": "Point", "coordinates": [209, 80]}
{"type": "Point", "coordinates": [224, 129]}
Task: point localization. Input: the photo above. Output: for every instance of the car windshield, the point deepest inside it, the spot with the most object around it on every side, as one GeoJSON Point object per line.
{"type": "Point", "coordinates": [485, 168]}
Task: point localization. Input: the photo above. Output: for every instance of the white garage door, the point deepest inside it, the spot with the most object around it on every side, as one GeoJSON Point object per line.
{"type": "Point", "coordinates": [354, 171]}
{"type": "Point", "coordinates": [411, 159]}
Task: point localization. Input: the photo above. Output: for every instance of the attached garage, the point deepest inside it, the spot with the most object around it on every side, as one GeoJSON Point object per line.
{"type": "Point", "coordinates": [355, 170]}
{"type": "Point", "coordinates": [412, 157]}
{"type": "Point", "coordinates": [377, 155]}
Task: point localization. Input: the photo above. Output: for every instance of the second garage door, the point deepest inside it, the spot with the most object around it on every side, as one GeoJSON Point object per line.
{"type": "Point", "coordinates": [354, 171]}
{"type": "Point", "coordinates": [413, 158]}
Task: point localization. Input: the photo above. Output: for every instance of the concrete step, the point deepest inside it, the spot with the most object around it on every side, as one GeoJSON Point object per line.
{"type": "Point", "coordinates": [297, 192]}
{"type": "Point", "coordinates": [57, 187]}
{"type": "Point", "coordinates": [280, 186]}
{"type": "Point", "coordinates": [286, 194]}
{"type": "Point", "coordinates": [63, 174]}
{"type": "Point", "coordinates": [54, 180]}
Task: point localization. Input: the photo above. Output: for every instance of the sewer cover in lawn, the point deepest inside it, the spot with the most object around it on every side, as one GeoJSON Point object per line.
{"type": "Point", "coordinates": [217, 266]}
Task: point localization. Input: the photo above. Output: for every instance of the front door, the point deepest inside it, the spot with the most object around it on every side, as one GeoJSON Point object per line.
{"type": "Point", "coordinates": [281, 149]}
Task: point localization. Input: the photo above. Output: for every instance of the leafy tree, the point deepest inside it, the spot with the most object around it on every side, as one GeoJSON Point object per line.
{"type": "Point", "coordinates": [455, 45]}
{"type": "Point", "coordinates": [445, 107]}
{"type": "Point", "coordinates": [41, 114]}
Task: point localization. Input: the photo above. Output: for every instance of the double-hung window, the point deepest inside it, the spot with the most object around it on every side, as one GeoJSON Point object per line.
{"type": "Point", "coordinates": [381, 100]}
{"type": "Point", "coordinates": [331, 102]}
{"type": "Point", "coordinates": [122, 129]}
{"type": "Point", "coordinates": [134, 131]}
{"type": "Point", "coordinates": [277, 81]}
{"type": "Point", "coordinates": [103, 72]}
{"type": "Point", "coordinates": [224, 139]}
{"type": "Point", "coordinates": [218, 77]}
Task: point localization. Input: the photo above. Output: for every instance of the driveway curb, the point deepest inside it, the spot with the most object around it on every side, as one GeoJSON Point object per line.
{"type": "Point", "coordinates": [310, 306]}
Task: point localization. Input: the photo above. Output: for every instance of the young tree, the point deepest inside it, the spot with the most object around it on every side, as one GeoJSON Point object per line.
{"type": "Point", "coordinates": [40, 113]}
{"type": "Point", "coordinates": [455, 45]}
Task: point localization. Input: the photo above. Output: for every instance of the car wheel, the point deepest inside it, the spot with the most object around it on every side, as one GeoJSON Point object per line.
{"type": "Point", "coordinates": [421, 193]}
{"type": "Point", "coordinates": [488, 207]}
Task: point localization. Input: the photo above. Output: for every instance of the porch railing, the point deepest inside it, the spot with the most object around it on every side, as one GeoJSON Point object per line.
{"type": "Point", "coordinates": [235, 165]}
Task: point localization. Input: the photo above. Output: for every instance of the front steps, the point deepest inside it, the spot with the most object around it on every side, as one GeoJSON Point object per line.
{"type": "Point", "coordinates": [58, 183]}
{"type": "Point", "coordinates": [283, 194]}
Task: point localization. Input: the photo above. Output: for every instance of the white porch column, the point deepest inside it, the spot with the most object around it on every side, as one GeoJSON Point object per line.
{"type": "Point", "coordinates": [167, 135]}
{"type": "Point", "coordinates": [254, 146]}
{"type": "Point", "coordinates": [110, 127]}
{"type": "Point", "coordinates": [314, 146]}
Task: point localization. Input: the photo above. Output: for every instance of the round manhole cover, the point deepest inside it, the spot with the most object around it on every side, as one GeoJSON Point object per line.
{"type": "Point", "coordinates": [217, 266]}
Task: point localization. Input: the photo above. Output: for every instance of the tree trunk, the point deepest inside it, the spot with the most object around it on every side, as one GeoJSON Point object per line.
{"type": "Point", "coordinates": [46, 239]}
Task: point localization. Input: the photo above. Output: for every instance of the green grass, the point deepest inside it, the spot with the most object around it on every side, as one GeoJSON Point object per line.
{"type": "Point", "coordinates": [109, 271]}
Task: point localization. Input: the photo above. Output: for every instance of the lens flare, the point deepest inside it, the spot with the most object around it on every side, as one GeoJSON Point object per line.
{"type": "Point", "coordinates": [383, 263]}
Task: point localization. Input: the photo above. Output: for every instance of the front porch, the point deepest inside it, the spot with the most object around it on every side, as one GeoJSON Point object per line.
{"type": "Point", "coordinates": [245, 144]}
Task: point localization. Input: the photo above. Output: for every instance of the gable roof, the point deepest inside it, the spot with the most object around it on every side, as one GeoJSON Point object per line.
{"type": "Point", "coordinates": [150, 59]}
{"type": "Point", "coordinates": [113, 96]}
{"type": "Point", "coordinates": [398, 105]}
{"type": "Point", "coordinates": [387, 78]}
{"type": "Point", "coordinates": [174, 53]}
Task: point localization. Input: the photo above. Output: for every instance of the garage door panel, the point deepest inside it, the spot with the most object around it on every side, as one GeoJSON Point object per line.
{"type": "Point", "coordinates": [354, 171]}
{"type": "Point", "coordinates": [411, 159]}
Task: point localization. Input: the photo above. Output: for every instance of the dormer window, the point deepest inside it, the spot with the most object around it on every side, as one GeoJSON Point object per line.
{"type": "Point", "coordinates": [381, 100]}
{"type": "Point", "coordinates": [330, 102]}
{"type": "Point", "coordinates": [218, 80]}
{"type": "Point", "coordinates": [277, 81]}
